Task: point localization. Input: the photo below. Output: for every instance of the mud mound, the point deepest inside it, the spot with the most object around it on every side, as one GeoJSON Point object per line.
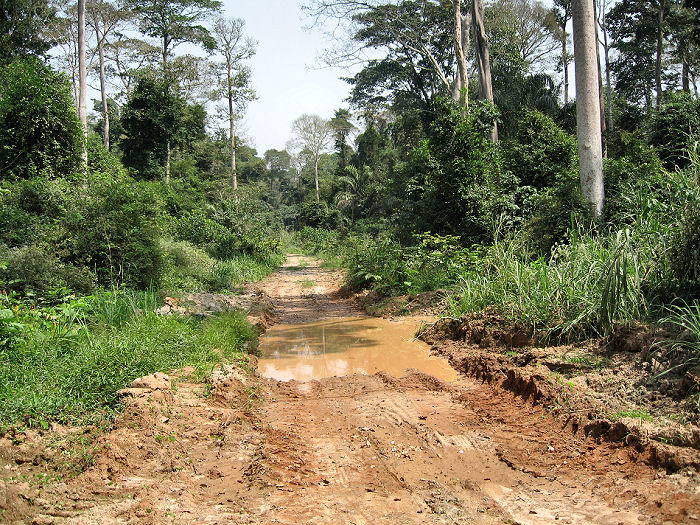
{"type": "Point", "coordinates": [425, 303]}
{"type": "Point", "coordinates": [486, 330]}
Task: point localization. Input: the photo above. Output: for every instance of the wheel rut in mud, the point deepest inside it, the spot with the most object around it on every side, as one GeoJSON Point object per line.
{"type": "Point", "coordinates": [355, 449]}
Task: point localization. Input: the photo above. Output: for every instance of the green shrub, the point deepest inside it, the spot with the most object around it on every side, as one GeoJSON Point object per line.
{"type": "Point", "coordinates": [460, 185]}
{"type": "Point", "coordinates": [112, 228]}
{"type": "Point", "coordinates": [433, 262]}
{"type": "Point", "coordinates": [318, 215]}
{"type": "Point", "coordinates": [674, 126]}
{"type": "Point", "coordinates": [41, 133]}
{"type": "Point", "coordinates": [541, 154]}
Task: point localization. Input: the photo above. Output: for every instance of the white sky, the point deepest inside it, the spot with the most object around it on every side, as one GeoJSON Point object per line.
{"type": "Point", "coordinates": [286, 75]}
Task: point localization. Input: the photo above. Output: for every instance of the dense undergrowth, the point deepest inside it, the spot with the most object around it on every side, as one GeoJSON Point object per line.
{"type": "Point", "coordinates": [638, 265]}
{"type": "Point", "coordinates": [84, 264]}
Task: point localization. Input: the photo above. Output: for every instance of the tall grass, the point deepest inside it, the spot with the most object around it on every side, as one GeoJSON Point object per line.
{"type": "Point", "coordinates": [583, 289]}
{"type": "Point", "coordinates": [191, 269]}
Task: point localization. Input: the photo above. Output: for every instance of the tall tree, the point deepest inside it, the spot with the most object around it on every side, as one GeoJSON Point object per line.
{"type": "Point", "coordinates": [562, 15]}
{"type": "Point", "coordinates": [483, 59]}
{"type": "Point", "coordinates": [82, 68]}
{"type": "Point", "coordinates": [603, 26]}
{"type": "Point", "coordinates": [126, 57]}
{"type": "Point", "coordinates": [460, 92]}
{"type": "Point", "coordinates": [314, 134]}
{"type": "Point", "coordinates": [175, 22]}
{"type": "Point", "coordinates": [638, 33]}
{"type": "Point", "coordinates": [236, 50]}
{"type": "Point", "coordinates": [588, 104]}
{"type": "Point", "coordinates": [342, 127]}
{"type": "Point", "coordinates": [22, 24]}
{"type": "Point", "coordinates": [104, 18]}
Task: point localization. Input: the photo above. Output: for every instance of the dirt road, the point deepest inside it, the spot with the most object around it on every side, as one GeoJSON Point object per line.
{"type": "Point", "coordinates": [357, 449]}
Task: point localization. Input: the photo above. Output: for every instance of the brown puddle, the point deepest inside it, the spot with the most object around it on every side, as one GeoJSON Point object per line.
{"type": "Point", "coordinates": [345, 346]}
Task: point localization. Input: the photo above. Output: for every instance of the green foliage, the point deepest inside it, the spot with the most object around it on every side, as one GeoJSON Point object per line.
{"type": "Point", "coordinates": [456, 179]}
{"type": "Point", "coordinates": [544, 159]}
{"type": "Point", "coordinates": [565, 295]}
{"type": "Point", "coordinates": [41, 132]}
{"type": "Point", "coordinates": [121, 243]}
{"type": "Point", "coordinates": [318, 215]}
{"type": "Point", "coordinates": [33, 269]}
{"type": "Point", "coordinates": [68, 368]}
{"type": "Point", "coordinates": [673, 128]}
{"type": "Point", "coordinates": [22, 27]}
{"type": "Point", "coordinates": [434, 262]}
{"type": "Point", "coordinates": [191, 269]}
{"type": "Point", "coordinates": [684, 246]}
{"type": "Point", "coordinates": [154, 118]}
{"type": "Point", "coordinates": [540, 154]}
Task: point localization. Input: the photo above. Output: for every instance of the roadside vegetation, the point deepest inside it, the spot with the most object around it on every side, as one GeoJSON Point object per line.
{"type": "Point", "coordinates": [429, 180]}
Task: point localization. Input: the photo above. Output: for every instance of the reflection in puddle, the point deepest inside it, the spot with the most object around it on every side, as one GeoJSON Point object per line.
{"type": "Point", "coordinates": [344, 346]}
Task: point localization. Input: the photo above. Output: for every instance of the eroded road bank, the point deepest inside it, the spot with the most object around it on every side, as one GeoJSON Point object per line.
{"type": "Point", "coordinates": [355, 449]}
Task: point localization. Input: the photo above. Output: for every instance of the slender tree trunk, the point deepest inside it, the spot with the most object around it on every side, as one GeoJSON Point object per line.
{"type": "Point", "coordinates": [483, 59]}
{"type": "Point", "coordinates": [659, 52]}
{"type": "Point", "coordinates": [232, 129]}
{"type": "Point", "coordinates": [565, 63]}
{"type": "Point", "coordinates": [318, 197]}
{"type": "Point", "coordinates": [168, 151]}
{"type": "Point", "coordinates": [685, 77]}
{"type": "Point", "coordinates": [103, 86]}
{"type": "Point", "coordinates": [167, 162]}
{"type": "Point", "coordinates": [601, 96]}
{"type": "Point", "coordinates": [82, 68]}
{"type": "Point", "coordinates": [608, 88]}
{"type": "Point", "coordinates": [461, 85]}
{"type": "Point", "coordinates": [588, 105]}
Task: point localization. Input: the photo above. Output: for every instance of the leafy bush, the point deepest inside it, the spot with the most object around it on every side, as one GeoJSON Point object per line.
{"type": "Point", "coordinates": [191, 269]}
{"type": "Point", "coordinates": [316, 241]}
{"type": "Point", "coordinates": [674, 126]}
{"type": "Point", "coordinates": [460, 187]}
{"type": "Point", "coordinates": [540, 154]}
{"type": "Point", "coordinates": [32, 268]}
{"type": "Point", "coordinates": [434, 262]}
{"type": "Point", "coordinates": [544, 159]}
{"type": "Point", "coordinates": [121, 242]}
{"type": "Point", "coordinates": [318, 215]}
{"type": "Point", "coordinates": [41, 133]}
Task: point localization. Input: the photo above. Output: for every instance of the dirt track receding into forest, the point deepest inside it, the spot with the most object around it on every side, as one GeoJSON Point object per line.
{"type": "Point", "coordinates": [358, 449]}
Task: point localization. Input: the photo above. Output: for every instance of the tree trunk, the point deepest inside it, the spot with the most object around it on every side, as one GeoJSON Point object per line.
{"type": "Point", "coordinates": [483, 59]}
{"type": "Point", "coordinates": [588, 105]}
{"type": "Point", "coordinates": [461, 85]}
{"type": "Point", "coordinates": [103, 87]}
{"type": "Point", "coordinates": [167, 150]}
{"type": "Point", "coordinates": [659, 52]}
{"type": "Point", "coordinates": [601, 96]}
{"type": "Point", "coordinates": [167, 162]}
{"type": "Point", "coordinates": [685, 77]}
{"type": "Point", "coordinates": [232, 129]}
{"type": "Point", "coordinates": [565, 64]}
{"type": "Point", "coordinates": [318, 197]}
{"type": "Point", "coordinates": [82, 68]}
{"type": "Point", "coordinates": [608, 89]}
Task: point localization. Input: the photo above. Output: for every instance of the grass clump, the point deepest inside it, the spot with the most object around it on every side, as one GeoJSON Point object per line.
{"type": "Point", "coordinates": [192, 269]}
{"type": "Point", "coordinates": [68, 362]}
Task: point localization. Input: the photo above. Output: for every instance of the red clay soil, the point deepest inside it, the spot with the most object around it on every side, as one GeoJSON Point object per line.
{"type": "Point", "coordinates": [357, 449]}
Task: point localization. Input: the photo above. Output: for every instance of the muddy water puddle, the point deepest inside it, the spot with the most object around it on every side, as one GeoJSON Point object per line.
{"type": "Point", "coordinates": [345, 346]}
